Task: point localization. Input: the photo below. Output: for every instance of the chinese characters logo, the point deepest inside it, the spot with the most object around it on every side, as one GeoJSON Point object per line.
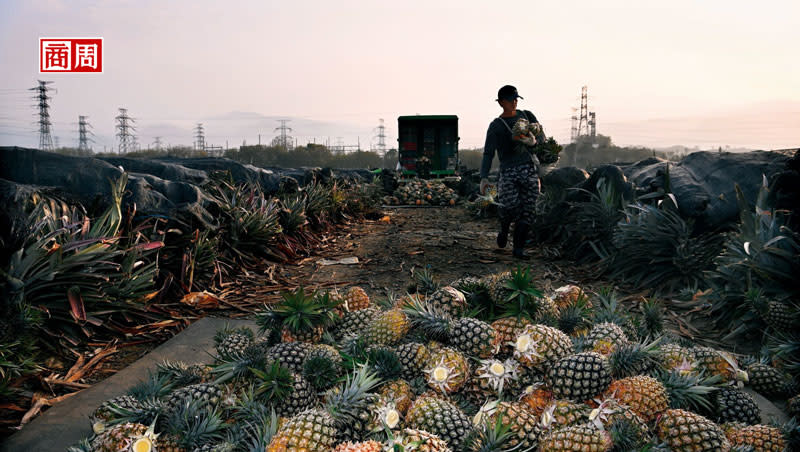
{"type": "Point", "coordinates": [71, 55]}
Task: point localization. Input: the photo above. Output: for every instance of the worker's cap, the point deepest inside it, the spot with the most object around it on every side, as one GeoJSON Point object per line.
{"type": "Point", "coordinates": [508, 92]}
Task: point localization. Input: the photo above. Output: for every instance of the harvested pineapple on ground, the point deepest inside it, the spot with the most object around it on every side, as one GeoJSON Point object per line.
{"type": "Point", "coordinates": [443, 372]}
{"type": "Point", "coordinates": [422, 193]}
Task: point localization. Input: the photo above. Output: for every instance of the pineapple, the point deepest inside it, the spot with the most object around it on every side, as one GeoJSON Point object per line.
{"type": "Point", "coordinates": [537, 398]}
{"type": "Point", "coordinates": [317, 429]}
{"type": "Point", "coordinates": [286, 392]}
{"type": "Point", "coordinates": [646, 396]}
{"type": "Point", "coordinates": [232, 342]}
{"type": "Point", "coordinates": [440, 418]}
{"type": "Point", "coordinates": [322, 366]}
{"type": "Point", "coordinates": [447, 370]}
{"type": "Point", "coordinates": [449, 301]}
{"type": "Point", "coordinates": [400, 392]}
{"type": "Point", "coordinates": [793, 406]}
{"type": "Point", "coordinates": [471, 336]}
{"type": "Point", "coordinates": [191, 427]}
{"type": "Point", "coordinates": [580, 376]}
{"type": "Point", "coordinates": [105, 412]}
{"type": "Point", "coordinates": [540, 346]}
{"type": "Point", "coordinates": [291, 355]}
{"type": "Point", "coordinates": [607, 333]}
{"type": "Point", "coordinates": [388, 328]}
{"type": "Point", "coordinates": [673, 356]}
{"type": "Point", "coordinates": [356, 321]}
{"type": "Point", "coordinates": [515, 293]}
{"type": "Point", "coordinates": [424, 282]}
{"type": "Point", "coordinates": [568, 295]}
{"type": "Point", "coordinates": [364, 446]}
{"type": "Point", "coordinates": [127, 437]}
{"type": "Point", "coordinates": [508, 328]}
{"type": "Point", "coordinates": [298, 316]}
{"type": "Point", "coordinates": [767, 380]}
{"type": "Point", "coordinates": [762, 438]}
{"type": "Point", "coordinates": [411, 440]}
{"type": "Point", "coordinates": [716, 362]}
{"type": "Point", "coordinates": [490, 379]}
{"type": "Point", "coordinates": [628, 431]}
{"type": "Point", "coordinates": [356, 299]}
{"type": "Point", "coordinates": [582, 437]}
{"type": "Point", "coordinates": [684, 431]}
{"type": "Point", "coordinates": [780, 316]}
{"type": "Point", "coordinates": [735, 405]}
{"type": "Point", "coordinates": [414, 357]}
{"type": "Point", "coordinates": [522, 424]}
{"type": "Point", "coordinates": [563, 413]}
{"type": "Point", "coordinates": [207, 393]}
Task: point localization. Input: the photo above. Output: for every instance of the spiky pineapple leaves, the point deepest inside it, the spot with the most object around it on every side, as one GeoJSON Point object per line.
{"type": "Point", "coordinates": [299, 312]}
{"type": "Point", "coordinates": [521, 295]}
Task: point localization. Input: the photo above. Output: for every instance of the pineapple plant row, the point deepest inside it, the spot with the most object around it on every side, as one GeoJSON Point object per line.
{"type": "Point", "coordinates": [440, 371]}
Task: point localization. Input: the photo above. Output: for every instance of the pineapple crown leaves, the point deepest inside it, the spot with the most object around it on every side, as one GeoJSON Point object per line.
{"type": "Point", "coordinates": [626, 435]}
{"type": "Point", "coordinates": [344, 405]}
{"type": "Point", "coordinates": [274, 384]}
{"type": "Point", "coordinates": [155, 386]}
{"type": "Point", "coordinates": [240, 364]}
{"type": "Point", "coordinates": [256, 434]}
{"type": "Point", "coordinates": [320, 371]}
{"type": "Point", "coordinates": [686, 391]}
{"type": "Point", "coordinates": [298, 311]}
{"type": "Point", "coordinates": [424, 281]}
{"type": "Point", "coordinates": [574, 316]}
{"type": "Point", "coordinates": [82, 446]}
{"type": "Point", "coordinates": [195, 424]}
{"type": "Point", "coordinates": [631, 359]}
{"type": "Point", "coordinates": [384, 362]}
{"type": "Point", "coordinates": [431, 321]}
{"type": "Point", "coordinates": [145, 413]}
{"type": "Point", "coordinates": [521, 299]}
{"type": "Point", "coordinates": [490, 436]}
{"type": "Point", "coordinates": [652, 320]}
{"type": "Point", "coordinates": [250, 408]}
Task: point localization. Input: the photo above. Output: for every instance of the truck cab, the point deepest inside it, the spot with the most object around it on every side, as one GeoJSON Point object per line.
{"type": "Point", "coordinates": [428, 145]}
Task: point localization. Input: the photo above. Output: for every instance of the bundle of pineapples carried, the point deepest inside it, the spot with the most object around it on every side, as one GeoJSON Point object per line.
{"type": "Point", "coordinates": [524, 133]}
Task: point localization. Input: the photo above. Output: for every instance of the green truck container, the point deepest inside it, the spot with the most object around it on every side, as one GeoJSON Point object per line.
{"type": "Point", "coordinates": [432, 136]}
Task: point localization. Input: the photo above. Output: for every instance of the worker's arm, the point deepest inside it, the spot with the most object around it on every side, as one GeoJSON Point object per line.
{"type": "Point", "coordinates": [540, 136]}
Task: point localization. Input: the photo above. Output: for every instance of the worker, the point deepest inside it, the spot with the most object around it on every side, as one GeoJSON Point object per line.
{"type": "Point", "coordinates": [518, 186]}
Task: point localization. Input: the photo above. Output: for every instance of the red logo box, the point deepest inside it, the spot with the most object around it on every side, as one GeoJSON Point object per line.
{"type": "Point", "coordinates": [70, 55]}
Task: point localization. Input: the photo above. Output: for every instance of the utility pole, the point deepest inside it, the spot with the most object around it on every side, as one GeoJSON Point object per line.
{"type": "Point", "coordinates": [381, 148]}
{"type": "Point", "coordinates": [199, 138]}
{"type": "Point", "coordinates": [284, 140]}
{"type": "Point", "coordinates": [157, 143]}
{"type": "Point", "coordinates": [45, 138]}
{"type": "Point", "coordinates": [592, 125]}
{"type": "Point", "coordinates": [83, 134]}
{"type": "Point", "coordinates": [127, 139]}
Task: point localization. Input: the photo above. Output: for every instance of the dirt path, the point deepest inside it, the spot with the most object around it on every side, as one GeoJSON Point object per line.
{"type": "Point", "coordinates": [448, 241]}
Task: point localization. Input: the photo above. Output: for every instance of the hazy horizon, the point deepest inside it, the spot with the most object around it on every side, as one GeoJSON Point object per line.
{"type": "Point", "coordinates": [659, 73]}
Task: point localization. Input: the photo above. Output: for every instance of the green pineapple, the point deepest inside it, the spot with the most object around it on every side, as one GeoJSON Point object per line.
{"type": "Point", "coordinates": [448, 301]}
{"type": "Point", "coordinates": [229, 342]}
{"type": "Point", "coordinates": [523, 425]}
{"type": "Point", "coordinates": [684, 431]}
{"type": "Point", "coordinates": [540, 346]}
{"type": "Point", "coordinates": [322, 366]}
{"type": "Point", "coordinates": [285, 392]}
{"type": "Point", "coordinates": [414, 357]}
{"type": "Point", "coordinates": [317, 429]}
{"type": "Point", "coordinates": [441, 418]}
{"type": "Point", "coordinates": [206, 393]}
{"type": "Point", "coordinates": [354, 322]}
{"type": "Point", "coordinates": [471, 336]}
{"type": "Point", "coordinates": [580, 376]}
{"type": "Point", "coordinates": [767, 380]}
{"type": "Point", "coordinates": [581, 437]}
{"type": "Point", "coordinates": [290, 355]}
{"type": "Point", "coordinates": [389, 328]}
{"type": "Point", "coordinates": [735, 405]}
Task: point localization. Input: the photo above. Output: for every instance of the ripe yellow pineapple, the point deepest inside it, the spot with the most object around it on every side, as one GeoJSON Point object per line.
{"type": "Point", "coordinates": [567, 295]}
{"type": "Point", "coordinates": [762, 438]}
{"type": "Point", "coordinates": [523, 425]}
{"type": "Point", "coordinates": [646, 396]}
{"type": "Point", "coordinates": [537, 398]}
{"type": "Point", "coordinates": [356, 299]}
{"type": "Point", "coordinates": [388, 328]}
{"type": "Point", "coordinates": [508, 328]}
{"type": "Point", "coordinates": [400, 392]}
{"type": "Point", "coordinates": [583, 437]}
{"type": "Point", "coordinates": [418, 441]}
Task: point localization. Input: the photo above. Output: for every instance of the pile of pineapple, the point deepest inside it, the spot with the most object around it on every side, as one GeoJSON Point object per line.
{"type": "Point", "coordinates": [422, 193]}
{"type": "Point", "coordinates": [482, 364]}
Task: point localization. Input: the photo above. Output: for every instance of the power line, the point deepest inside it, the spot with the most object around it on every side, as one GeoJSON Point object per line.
{"type": "Point", "coordinates": [283, 140]}
{"type": "Point", "coordinates": [83, 139]}
{"type": "Point", "coordinates": [199, 138]}
{"type": "Point", "coordinates": [45, 138]}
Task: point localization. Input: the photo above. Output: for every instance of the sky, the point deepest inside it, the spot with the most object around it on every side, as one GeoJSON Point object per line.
{"type": "Point", "coordinates": [659, 73]}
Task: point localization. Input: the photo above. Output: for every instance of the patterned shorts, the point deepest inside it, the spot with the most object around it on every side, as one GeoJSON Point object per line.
{"type": "Point", "coordinates": [517, 191]}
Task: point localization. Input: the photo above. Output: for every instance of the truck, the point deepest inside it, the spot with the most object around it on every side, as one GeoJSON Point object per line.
{"type": "Point", "coordinates": [428, 145]}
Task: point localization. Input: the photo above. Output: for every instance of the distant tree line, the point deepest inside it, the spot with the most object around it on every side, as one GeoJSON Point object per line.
{"type": "Point", "coordinates": [589, 152]}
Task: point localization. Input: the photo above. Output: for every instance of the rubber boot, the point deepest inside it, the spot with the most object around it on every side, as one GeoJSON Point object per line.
{"type": "Point", "coordinates": [520, 237]}
{"type": "Point", "coordinates": [502, 236]}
